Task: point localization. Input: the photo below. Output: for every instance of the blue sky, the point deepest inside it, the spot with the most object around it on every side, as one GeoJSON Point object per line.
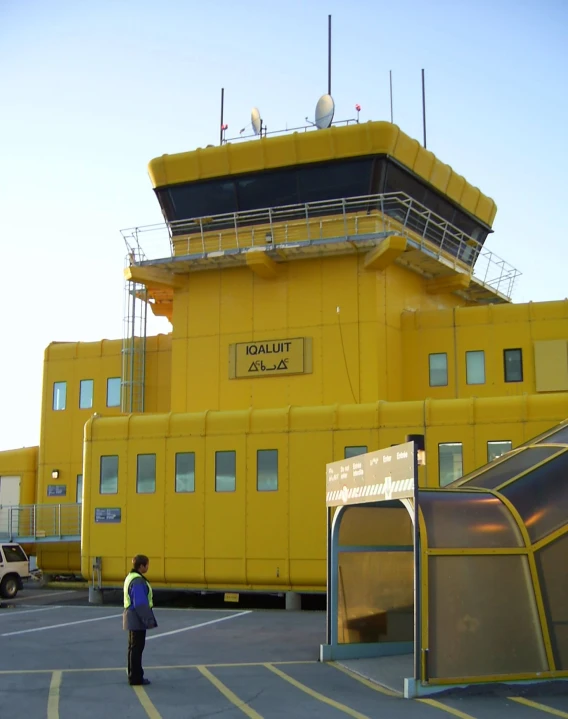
{"type": "Point", "coordinates": [92, 91]}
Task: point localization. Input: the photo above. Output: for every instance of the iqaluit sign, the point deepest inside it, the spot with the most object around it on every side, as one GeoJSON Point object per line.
{"type": "Point", "coordinates": [372, 477]}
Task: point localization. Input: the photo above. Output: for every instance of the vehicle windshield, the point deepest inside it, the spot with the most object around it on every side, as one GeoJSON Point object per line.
{"type": "Point", "coordinates": [14, 553]}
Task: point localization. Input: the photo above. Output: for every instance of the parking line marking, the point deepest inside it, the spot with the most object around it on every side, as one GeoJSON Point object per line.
{"type": "Point", "coordinates": [28, 611]}
{"type": "Point", "coordinates": [367, 682]}
{"type": "Point", "coordinates": [195, 626]}
{"type": "Point", "coordinates": [232, 697]}
{"type": "Point", "coordinates": [53, 701]}
{"type": "Point", "coordinates": [156, 667]}
{"type": "Point", "coordinates": [57, 626]}
{"type": "Point", "coordinates": [316, 695]}
{"type": "Point", "coordinates": [146, 702]}
{"type": "Point", "coordinates": [42, 595]}
{"type": "Point", "coordinates": [541, 707]}
{"type": "Point", "coordinates": [450, 710]}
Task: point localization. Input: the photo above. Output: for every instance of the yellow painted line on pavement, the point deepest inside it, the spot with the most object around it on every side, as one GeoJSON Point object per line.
{"type": "Point", "coordinates": [226, 692]}
{"type": "Point", "coordinates": [540, 707]}
{"type": "Point", "coordinates": [166, 666]}
{"type": "Point", "coordinates": [144, 699]}
{"type": "Point", "coordinates": [53, 700]}
{"type": "Point", "coordinates": [316, 695]}
{"type": "Point", "coordinates": [450, 710]}
{"type": "Point", "coordinates": [366, 682]}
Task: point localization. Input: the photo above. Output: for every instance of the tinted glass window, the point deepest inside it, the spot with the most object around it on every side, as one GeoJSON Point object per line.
{"type": "Point", "coordinates": [513, 360]}
{"type": "Point", "coordinates": [113, 392]}
{"type": "Point", "coordinates": [475, 367]}
{"type": "Point", "coordinates": [497, 448]}
{"type": "Point", "coordinates": [354, 451]}
{"type": "Point", "coordinates": [146, 473]}
{"type": "Point", "coordinates": [59, 395]}
{"type": "Point", "coordinates": [438, 366]}
{"type": "Point", "coordinates": [450, 459]}
{"type": "Point", "coordinates": [109, 475]}
{"type": "Point", "coordinates": [86, 394]}
{"type": "Point", "coordinates": [267, 190]}
{"type": "Point", "coordinates": [267, 470]}
{"type": "Point", "coordinates": [185, 472]}
{"type": "Point", "coordinates": [225, 471]}
{"type": "Point", "coordinates": [79, 488]}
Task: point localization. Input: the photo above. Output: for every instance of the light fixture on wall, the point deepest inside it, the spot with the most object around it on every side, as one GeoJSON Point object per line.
{"type": "Point", "coordinates": [54, 474]}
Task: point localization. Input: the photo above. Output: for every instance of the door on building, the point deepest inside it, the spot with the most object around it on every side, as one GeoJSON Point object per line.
{"type": "Point", "coordinates": [9, 497]}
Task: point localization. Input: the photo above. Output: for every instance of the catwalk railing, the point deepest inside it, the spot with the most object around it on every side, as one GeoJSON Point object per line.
{"type": "Point", "coordinates": [41, 523]}
{"type": "Point", "coordinates": [351, 219]}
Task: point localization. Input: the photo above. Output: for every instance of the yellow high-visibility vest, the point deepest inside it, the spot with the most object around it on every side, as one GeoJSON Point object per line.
{"type": "Point", "coordinates": [128, 581]}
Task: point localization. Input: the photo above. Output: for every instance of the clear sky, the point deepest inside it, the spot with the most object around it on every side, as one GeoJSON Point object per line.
{"type": "Point", "coordinates": [91, 91]}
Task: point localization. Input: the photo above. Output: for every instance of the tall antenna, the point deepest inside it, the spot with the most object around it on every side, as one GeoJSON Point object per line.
{"type": "Point", "coordinates": [390, 79]}
{"type": "Point", "coordinates": [424, 107]}
{"type": "Point", "coordinates": [329, 54]}
{"type": "Point", "coordinates": [222, 107]}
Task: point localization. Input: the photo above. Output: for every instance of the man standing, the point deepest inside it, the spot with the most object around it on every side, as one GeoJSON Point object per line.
{"type": "Point", "coordinates": [138, 616]}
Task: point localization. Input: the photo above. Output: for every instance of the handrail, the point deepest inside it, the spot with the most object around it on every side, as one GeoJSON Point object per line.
{"type": "Point", "coordinates": [352, 218]}
{"type": "Point", "coordinates": [40, 522]}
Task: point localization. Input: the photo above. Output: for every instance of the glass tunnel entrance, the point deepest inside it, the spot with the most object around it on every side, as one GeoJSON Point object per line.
{"type": "Point", "coordinates": [470, 593]}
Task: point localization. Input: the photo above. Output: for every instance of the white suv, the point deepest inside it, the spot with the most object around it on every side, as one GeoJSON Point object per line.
{"type": "Point", "coordinates": [14, 567]}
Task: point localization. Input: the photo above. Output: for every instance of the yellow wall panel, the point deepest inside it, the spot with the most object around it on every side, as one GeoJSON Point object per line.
{"type": "Point", "coordinates": [440, 176]}
{"type": "Point", "coordinates": [551, 365]}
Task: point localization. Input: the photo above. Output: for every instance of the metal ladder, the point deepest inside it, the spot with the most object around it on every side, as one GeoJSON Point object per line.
{"type": "Point", "coordinates": [134, 345]}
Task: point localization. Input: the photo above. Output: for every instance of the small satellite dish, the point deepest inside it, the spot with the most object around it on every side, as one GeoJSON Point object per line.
{"type": "Point", "coordinates": [256, 120]}
{"type": "Point", "coordinates": [324, 112]}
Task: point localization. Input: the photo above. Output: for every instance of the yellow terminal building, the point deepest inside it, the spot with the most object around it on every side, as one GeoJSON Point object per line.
{"type": "Point", "coordinates": [329, 293]}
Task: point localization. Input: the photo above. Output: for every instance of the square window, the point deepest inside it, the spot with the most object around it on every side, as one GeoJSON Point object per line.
{"type": "Point", "coordinates": [86, 394]}
{"type": "Point", "coordinates": [59, 395]}
{"type": "Point", "coordinates": [225, 471]}
{"type": "Point", "coordinates": [513, 361]}
{"type": "Point", "coordinates": [438, 368]}
{"type": "Point", "coordinates": [354, 451]}
{"type": "Point", "coordinates": [475, 367]}
{"type": "Point", "coordinates": [113, 392]}
{"type": "Point", "coordinates": [79, 489]}
{"type": "Point", "coordinates": [185, 472]}
{"type": "Point", "coordinates": [109, 475]}
{"type": "Point", "coordinates": [146, 473]}
{"type": "Point", "coordinates": [497, 448]}
{"type": "Point", "coordinates": [267, 470]}
{"type": "Point", "coordinates": [450, 462]}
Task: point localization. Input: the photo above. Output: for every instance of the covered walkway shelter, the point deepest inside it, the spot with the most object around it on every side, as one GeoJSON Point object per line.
{"type": "Point", "coordinates": [473, 592]}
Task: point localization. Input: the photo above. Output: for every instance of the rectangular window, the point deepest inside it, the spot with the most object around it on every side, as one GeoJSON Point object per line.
{"type": "Point", "coordinates": [109, 475]}
{"type": "Point", "coordinates": [496, 449]}
{"type": "Point", "coordinates": [267, 470]}
{"type": "Point", "coordinates": [475, 367]}
{"type": "Point", "coordinates": [225, 471]}
{"type": "Point", "coordinates": [438, 366]}
{"type": "Point", "coordinates": [59, 395]}
{"type": "Point", "coordinates": [113, 392]}
{"type": "Point", "coordinates": [513, 361]}
{"type": "Point", "coordinates": [354, 451]}
{"type": "Point", "coordinates": [185, 472]}
{"type": "Point", "coordinates": [14, 553]}
{"type": "Point", "coordinates": [146, 473]}
{"type": "Point", "coordinates": [86, 394]}
{"type": "Point", "coordinates": [79, 489]}
{"type": "Point", "coordinates": [450, 459]}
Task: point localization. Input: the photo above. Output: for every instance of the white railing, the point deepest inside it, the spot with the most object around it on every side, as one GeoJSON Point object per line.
{"type": "Point", "coordinates": [40, 522]}
{"type": "Point", "coordinates": [357, 218]}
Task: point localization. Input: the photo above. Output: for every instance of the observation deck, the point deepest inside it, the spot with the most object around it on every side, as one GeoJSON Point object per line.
{"type": "Point", "coordinates": [386, 228]}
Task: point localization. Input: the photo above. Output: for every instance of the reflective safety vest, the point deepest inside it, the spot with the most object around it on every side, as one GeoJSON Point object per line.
{"type": "Point", "coordinates": [128, 581]}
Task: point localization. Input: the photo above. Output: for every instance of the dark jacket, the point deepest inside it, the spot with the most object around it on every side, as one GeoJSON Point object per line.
{"type": "Point", "coordinates": [139, 615]}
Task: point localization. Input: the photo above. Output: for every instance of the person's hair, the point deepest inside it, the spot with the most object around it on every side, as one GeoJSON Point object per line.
{"type": "Point", "coordinates": [140, 560]}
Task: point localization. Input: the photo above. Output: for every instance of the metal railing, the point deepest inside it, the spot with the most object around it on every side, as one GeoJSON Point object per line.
{"type": "Point", "coordinates": [354, 219]}
{"type": "Point", "coordinates": [40, 522]}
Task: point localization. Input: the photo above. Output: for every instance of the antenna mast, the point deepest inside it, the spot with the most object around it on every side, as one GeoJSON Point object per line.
{"type": "Point", "coordinates": [390, 79]}
{"type": "Point", "coordinates": [424, 107]}
{"type": "Point", "coordinates": [222, 107]}
{"type": "Point", "coordinates": [329, 54]}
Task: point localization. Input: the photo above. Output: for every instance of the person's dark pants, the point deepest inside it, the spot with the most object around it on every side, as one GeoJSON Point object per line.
{"type": "Point", "coordinates": [136, 644]}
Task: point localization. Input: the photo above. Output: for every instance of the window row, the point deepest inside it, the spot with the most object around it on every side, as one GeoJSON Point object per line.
{"type": "Point", "coordinates": [450, 467]}
{"type": "Point", "coordinates": [225, 472]}
{"type": "Point", "coordinates": [475, 367]}
{"type": "Point", "coordinates": [86, 391]}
